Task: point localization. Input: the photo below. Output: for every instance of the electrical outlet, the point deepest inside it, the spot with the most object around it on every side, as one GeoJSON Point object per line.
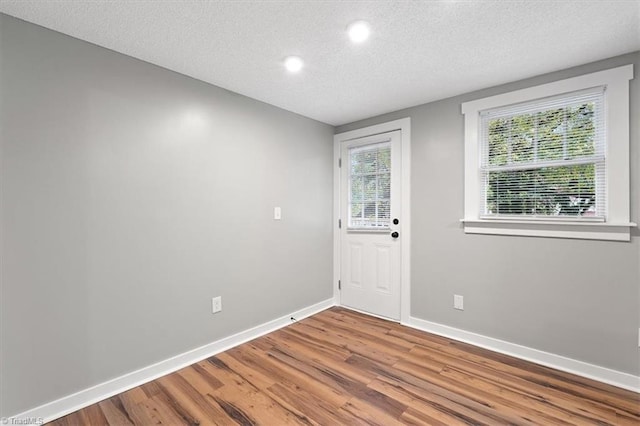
{"type": "Point", "coordinates": [458, 302]}
{"type": "Point", "coordinates": [216, 304]}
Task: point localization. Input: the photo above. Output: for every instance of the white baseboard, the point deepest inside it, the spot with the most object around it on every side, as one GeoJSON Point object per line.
{"type": "Point", "coordinates": [68, 404]}
{"type": "Point", "coordinates": [579, 368]}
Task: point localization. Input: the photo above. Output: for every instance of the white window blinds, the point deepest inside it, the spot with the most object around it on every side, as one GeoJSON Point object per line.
{"type": "Point", "coordinates": [370, 186]}
{"type": "Point", "coordinates": [545, 158]}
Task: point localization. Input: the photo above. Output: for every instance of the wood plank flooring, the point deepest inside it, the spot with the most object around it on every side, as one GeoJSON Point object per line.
{"type": "Point", "coordinates": [340, 367]}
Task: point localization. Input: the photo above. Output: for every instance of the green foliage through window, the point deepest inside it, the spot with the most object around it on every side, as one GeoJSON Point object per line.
{"type": "Point", "coordinates": [544, 162]}
{"type": "Point", "coordinates": [548, 191]}
{"type": "Point", "coordinates": [370, 186]}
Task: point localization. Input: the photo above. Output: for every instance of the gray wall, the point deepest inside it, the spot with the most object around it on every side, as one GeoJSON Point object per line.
{"type": "Point", "coordinates": [583, 304]}
{"type": "Point", "coordinates": [131, 196]}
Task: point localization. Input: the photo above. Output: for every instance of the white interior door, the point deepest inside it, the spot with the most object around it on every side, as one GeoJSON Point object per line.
{"type": "Point", "coordinates": [371, 220]}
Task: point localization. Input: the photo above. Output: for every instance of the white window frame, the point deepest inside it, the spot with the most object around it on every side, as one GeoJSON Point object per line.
{"type": "Point", "coordinates": [616, 104]}
{"type": "Point", "coordinates": [383, 228]}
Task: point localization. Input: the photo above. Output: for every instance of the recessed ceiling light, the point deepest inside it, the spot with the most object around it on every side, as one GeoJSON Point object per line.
{"type": "Point", "coordinates": [293, 63]}
{"type": "Point", "coordinates": [358, 31]}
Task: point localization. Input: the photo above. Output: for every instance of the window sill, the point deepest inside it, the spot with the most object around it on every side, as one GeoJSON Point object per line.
{"type": "Point", "coordinates": [551, 229]}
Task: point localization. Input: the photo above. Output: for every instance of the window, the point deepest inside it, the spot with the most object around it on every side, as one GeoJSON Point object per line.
{"type": "Point", "coordinates": [551, 160]}
{"type": "Point", "coordinates": [544, 158]}
{"type": "Point", "coordinates": [370, 186]}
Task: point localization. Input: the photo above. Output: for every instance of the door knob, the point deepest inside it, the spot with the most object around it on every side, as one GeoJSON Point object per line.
{"type": "Point", "coordinates": [394, 234]}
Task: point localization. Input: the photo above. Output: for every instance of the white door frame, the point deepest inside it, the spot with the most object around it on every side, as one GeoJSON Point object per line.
{"type": "Point", "coordinates": [404, 125]}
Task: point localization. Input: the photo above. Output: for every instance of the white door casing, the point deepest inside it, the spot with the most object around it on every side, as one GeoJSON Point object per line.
{"type": "Point", "coordinates": [372, 267]}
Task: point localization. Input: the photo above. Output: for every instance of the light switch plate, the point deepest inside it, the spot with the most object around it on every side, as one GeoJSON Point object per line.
{"type": "Point", "coordinates": [277, 213]}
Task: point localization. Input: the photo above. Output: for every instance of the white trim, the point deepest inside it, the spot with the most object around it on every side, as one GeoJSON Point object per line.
{"type": "Point", "coordinates": [539, 228]}
{"type": "Point", "coordinates": [70, 403]}
{"type": "Point", "coordinates": [336, 218]}
{"type": "Point", "coordinates": [569, 365]}
{"type": "Point", "coordinates": [404, 125]}
{"type": "Point", "coordinates": [616, 81]}
{"type": "Point", "coordinates": [600, 78]}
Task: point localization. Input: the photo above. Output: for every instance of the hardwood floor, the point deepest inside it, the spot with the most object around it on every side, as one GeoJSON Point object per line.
{"type": "Point", "coordinates": [340, 368]}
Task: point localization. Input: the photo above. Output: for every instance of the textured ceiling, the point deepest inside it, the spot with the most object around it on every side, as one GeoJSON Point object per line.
{"type": "Point", "coordinates": [419, 51]}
